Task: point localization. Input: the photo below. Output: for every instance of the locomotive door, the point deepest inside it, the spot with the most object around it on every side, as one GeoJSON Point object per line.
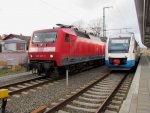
{"type": "Point", "coordinates": [72, 46]}
{"type": "Point", "coordinates": [70, 40]}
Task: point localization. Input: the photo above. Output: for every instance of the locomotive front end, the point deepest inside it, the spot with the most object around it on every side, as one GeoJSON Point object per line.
{"type": "Point", "coordinates": [42, 51]}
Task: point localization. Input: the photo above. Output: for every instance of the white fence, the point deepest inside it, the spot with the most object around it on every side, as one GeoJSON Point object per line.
{"type": "Point", "coordinates": [14, 58]}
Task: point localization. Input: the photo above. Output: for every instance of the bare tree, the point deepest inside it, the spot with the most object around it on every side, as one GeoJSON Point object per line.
{"type": "Point", "coordinates": [95, 26]}
{"type": "Point", "coordinates": [79, 24]}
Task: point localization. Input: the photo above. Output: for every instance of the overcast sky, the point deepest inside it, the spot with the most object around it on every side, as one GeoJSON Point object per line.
{"type": "Point", "coordinates": [25, 16]}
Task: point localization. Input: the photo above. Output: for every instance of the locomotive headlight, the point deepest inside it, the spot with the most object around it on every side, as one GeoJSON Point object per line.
{"type": "Point", "coordinates": [31, 56]}
{"type": "Point", "coordinates": [51, 56]}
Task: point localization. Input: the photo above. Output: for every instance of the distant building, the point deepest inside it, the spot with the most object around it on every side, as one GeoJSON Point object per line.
{"type": "Point", "coordinates": [0, 44]}
{"type": "Point", "coordinates": [13, 49]}
{"type": "Point", "coordinates": [13, 43]}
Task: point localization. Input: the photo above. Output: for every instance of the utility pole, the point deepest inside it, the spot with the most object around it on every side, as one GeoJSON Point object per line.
{"type": "Point", "coordinates": [104, 26]}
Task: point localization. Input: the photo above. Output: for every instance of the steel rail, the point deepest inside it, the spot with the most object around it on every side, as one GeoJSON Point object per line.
{"type": "Point", "coordinates": [27, 87]}
{"type": "Point", "coordinates": [101, 108]}
{"type": "Point", "coordinates": [104, 104]}
{"type": "Point", "coordinates": [33, 86]}
{"type": "Point", "coordinates": [21, 82]}
{"type": "Point", "coordinates": [63, 103]}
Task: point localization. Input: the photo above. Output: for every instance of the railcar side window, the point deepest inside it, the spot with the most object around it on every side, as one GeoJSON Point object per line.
{"type": "Point", "coordinates": [44, 37]}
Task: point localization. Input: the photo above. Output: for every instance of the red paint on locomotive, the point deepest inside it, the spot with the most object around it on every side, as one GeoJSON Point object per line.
{"type": "Point", "coordinates": [67, 48]}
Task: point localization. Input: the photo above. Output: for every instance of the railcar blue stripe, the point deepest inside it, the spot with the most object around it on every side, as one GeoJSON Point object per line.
{"type": "Point", "coordinates": [129, 64]}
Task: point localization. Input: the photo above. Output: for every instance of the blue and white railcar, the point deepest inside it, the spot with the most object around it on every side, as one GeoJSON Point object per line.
{"type": "Point", "coordinates": [122, 53]}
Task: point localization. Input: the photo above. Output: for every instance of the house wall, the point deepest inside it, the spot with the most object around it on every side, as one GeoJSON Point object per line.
{"type": "Point", "coordinates": [14, 45]}
{"type": "Point", "coordinates": [2, 45]}
{"type": "Point", "coordinates": [13, 52]}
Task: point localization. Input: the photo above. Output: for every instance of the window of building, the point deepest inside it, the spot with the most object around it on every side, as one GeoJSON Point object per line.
{"type": "Point", "coordinates": [20, 46]}
{"type": "Point", "coordinates": [14, 47]}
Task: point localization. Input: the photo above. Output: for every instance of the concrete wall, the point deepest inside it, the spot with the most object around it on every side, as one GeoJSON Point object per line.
{"type": "Point", "coordinates": [14, 58]}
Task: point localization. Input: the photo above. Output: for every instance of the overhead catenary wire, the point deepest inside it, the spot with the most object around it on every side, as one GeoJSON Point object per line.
{"type": "Point", "coordinates": [118, 9]}
{"type": "Point", "coordinates": [120, 12]}
{"type": "Point", "coordinates": [122, 20]}
{"type": "Point", "coordinates": [125, 28]}
{"type": "Point", "coordinates": [59, 9]}
{"type": "Point", "coordinates": [47, 4]}
{"type": "Point", "coordinates": [123, 17]}
{"type": "Point", "coordinates": [73, 14]}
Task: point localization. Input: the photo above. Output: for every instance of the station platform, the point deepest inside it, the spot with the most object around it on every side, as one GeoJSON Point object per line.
{"type": "Point", "coordinates": [138, 98]}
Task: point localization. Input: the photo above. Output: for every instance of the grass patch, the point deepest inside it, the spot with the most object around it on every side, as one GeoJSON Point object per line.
{"type": "Point", "coordinates": [5, 71]}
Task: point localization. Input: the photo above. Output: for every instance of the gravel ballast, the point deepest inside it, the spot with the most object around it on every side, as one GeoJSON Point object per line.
{"type": "Point", "coordinates": [51, 92]}
{"type": "Point", "coordinates": [9, 79]}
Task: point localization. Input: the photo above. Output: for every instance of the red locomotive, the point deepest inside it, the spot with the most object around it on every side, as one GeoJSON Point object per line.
{"type": "Point", "coordinates": [51, 50]}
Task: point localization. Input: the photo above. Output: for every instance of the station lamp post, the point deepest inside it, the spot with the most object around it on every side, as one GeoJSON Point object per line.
{"type": "Point", "coordinates": [104, 26]}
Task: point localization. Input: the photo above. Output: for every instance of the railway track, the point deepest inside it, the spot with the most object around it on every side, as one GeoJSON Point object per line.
{"type": "Point", "coordinates": [103, 95]}
{"type": "Point", "coordinates": [117, 98]}
{"type": "Point", "coordinates": [21, 86]}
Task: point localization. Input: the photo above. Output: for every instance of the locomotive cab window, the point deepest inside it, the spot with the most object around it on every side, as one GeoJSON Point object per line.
{"type": "Point", "coordinates": [67, 38]}
{"type": "Point", "coordinates": [44, 37]}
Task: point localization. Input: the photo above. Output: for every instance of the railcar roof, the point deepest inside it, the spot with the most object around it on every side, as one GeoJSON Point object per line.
{"type": "Point", "coordinates": [119, 37]}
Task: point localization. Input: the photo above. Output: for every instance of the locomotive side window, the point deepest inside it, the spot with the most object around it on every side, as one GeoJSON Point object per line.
{"type": "Point", "coordinates": [44, 37]}
{"type": "Point", "coordinates": [67, 38]}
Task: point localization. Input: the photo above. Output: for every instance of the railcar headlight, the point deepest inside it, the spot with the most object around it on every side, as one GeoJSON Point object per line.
{"type": "Point", "coordinates": [51, 56]}
{"type": "Point", "coordinates": [31, 56]}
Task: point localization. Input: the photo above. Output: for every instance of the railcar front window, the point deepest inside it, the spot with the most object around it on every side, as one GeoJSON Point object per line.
{"type": "Point", "coordinates": [44, 37]}
{"type": "Point", "coordinates": [119, 45]}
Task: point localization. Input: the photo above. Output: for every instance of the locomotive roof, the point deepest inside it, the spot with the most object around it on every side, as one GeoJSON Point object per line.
{"type": "Point", "coordinates": [71, 31]}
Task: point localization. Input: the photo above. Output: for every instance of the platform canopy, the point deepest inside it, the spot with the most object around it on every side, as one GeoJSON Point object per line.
{"type": "Point", "coordinates": [143, 14]}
